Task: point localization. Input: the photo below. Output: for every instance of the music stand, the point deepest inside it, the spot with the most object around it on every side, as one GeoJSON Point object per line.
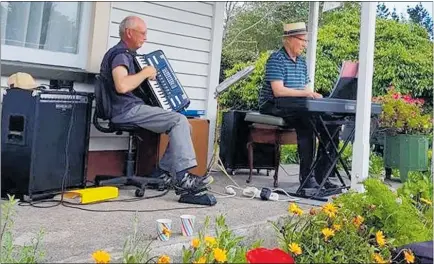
{"type": "Point", "coordinates": [222, 87]}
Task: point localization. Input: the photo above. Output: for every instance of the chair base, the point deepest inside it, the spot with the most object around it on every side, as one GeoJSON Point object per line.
{"type": "Point", "coordinates": [140, 182]}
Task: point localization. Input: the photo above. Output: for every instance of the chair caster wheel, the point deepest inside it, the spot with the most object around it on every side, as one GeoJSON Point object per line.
{"type": "Point", "coordinates": [140, 192]}
{"type": "Point", "coordinates": [276, 184]}
{"type": "Point", "coordinates": [248, 180]}
{"type": "Point", "coordinates": [161, 188]}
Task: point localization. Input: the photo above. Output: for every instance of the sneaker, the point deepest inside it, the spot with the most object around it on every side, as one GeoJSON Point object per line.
{"type": "Point", "coordinates": [193, 182]}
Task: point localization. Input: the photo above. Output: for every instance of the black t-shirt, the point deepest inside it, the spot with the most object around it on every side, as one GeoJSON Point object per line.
{"type": "Point", "coordinates": [121, 103]}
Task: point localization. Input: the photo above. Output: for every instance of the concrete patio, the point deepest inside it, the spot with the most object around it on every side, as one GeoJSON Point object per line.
{"type": "Point", "coordinates": [71, 235]}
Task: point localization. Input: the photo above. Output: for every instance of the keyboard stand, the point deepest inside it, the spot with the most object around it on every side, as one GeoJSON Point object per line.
{"type": "Point", "coordinates": [318, 194]}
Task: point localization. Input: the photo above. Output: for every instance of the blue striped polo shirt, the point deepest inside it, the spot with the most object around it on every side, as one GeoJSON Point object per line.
{"type": "Point", "coordinates": [280, 67]}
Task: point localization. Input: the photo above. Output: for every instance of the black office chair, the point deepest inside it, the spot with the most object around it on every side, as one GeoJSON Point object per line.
{"type": "Point", "coordinates": [103, 111]}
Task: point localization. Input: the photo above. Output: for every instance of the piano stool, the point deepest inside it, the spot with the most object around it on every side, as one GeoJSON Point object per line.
{"type": "Point", "coordinates": [268, 129]}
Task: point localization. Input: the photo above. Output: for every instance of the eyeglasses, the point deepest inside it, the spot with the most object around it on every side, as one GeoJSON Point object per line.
{"type": "Point", "coordinates": [305, 40]}
{"type": "Point", "coordinates": [143, 33]}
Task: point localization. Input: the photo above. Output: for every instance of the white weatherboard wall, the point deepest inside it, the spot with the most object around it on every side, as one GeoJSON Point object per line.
{"type": "Point", "coordinates": [186, 32]}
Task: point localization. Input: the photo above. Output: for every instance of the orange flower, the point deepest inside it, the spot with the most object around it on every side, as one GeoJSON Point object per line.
{"type": "Point", "coordinates": [164, 259]}
{"type": "Point", "coordinates": [408, 255]}
{"type": "Point", "coordinates": [358, 220]}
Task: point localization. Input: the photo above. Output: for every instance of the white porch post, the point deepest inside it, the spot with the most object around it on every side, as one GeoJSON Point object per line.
{"type": "Point", "coordinates": [313, 36]}
{"type": "Point", "coordinates": [361, 150]}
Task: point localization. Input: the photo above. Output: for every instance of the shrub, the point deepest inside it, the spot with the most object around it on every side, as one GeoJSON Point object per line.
{"type": "Point", "coordinates": [357, 227]}
{"type": "Point", "coordinates": [394, 214]}
{"type": "Point", "coordinates": [331, 235]}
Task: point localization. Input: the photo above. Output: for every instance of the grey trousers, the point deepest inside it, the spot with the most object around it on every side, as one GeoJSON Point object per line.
{"type": "Point", "coordinates": [179, 154]}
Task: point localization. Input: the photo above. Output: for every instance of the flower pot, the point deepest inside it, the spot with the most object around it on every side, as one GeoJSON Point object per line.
{"type": "Point", "coordinates": [406, 153]}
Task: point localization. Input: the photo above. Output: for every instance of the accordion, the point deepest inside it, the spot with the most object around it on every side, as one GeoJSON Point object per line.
{"type": "Point", "coordinates": [166, 91]}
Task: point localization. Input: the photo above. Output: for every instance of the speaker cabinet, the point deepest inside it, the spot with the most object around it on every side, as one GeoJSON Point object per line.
{"type": "Point", "coordinates": [42, 134]}
{"type": "Point", "coordinates": [233, 144]}
{"type": "Point", "coordinates": [153, 146]}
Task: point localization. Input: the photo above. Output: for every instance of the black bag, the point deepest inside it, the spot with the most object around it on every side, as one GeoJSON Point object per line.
{"type": "Point", "coordinates": [423, 252]}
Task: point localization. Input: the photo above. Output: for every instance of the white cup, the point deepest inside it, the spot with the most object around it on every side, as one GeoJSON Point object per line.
{"type": "Point", "coordinates": [187, 224]}
{"type": "Point", "coordinates": [164, 229]}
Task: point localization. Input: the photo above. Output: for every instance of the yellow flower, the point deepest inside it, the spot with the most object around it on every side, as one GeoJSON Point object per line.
{"type": "Point", "coordinates": [293, 208]}
{"type": "Point", "coordinates": [195, 243]}
{"type": "Point", "coordinates": [220, 255]}
{"type": "Point", "coordinates": [336, 227]}
{"type": "Point", "coordinates": [378, 258]}
{"type": "Point", "coordinates": [380, 238]}
{"type": "Point", "coordinates": [200, 260]}
{"type": "Point", "coordinates": [426, 201]}
{"type": "Point", "coordinates": [327, 232]}
{"type": "Point", "coordinates": [329, 209]}
{"type": "Point", "coordinates": [163, 259]}
{"type": "Point", "coordinates": [409, 257]}
{"type": "Point", "coordinates": [210, 241]}
{"type": "Point", "coordinates": [101, 256]}
{"type": "Point", "coordinates": [358, 220]}
{"type": "Point", "coordinates": [295, 248]}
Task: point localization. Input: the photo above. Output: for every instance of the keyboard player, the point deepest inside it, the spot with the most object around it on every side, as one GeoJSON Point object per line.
{"type": "Point", "coordinates": [286, 75]}
{"type": "Point", "coordinates": [128, 108]}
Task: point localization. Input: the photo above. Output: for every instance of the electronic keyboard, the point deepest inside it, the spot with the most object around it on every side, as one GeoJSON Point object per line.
{"type": "Point", "coordinates": [166, 91]}
{"type": "Point", "coordinates": [323, 105]}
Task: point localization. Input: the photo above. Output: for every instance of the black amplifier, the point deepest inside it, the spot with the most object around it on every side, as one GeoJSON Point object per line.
{"type": "Point", "coordinates": [44, 140]}
{"type": "Point", "coordinates": [233, 145]}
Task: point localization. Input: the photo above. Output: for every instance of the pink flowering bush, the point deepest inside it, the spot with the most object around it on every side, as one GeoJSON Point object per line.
{"type": "Point", "coordinates": [403, 114]}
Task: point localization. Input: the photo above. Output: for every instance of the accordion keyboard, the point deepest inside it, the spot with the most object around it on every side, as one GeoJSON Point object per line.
{"type": "Point", "coordinates": [166, 90]}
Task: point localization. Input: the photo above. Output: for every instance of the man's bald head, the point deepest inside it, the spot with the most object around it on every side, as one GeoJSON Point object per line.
{"type": "Point", "coordinates": [133, 31]}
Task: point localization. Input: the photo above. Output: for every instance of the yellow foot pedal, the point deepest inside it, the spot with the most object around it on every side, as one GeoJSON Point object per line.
{"type": "Point", "coordinates": [92, 195]}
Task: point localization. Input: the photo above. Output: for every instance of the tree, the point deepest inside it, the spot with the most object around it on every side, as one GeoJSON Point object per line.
{"type": "Point", "coordinates": [257, 27]}
{"type": "Point", "coordinates": [382, 11]}
{"type": "Point", "coordinates": [420, 15]}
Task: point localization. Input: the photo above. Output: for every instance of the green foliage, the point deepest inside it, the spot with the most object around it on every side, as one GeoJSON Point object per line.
{"type": "Point", "coordinates": [330, 235]}
{"type": "Point", "coordinates": [394, 214]}
{"type": "Point", "coordinates": [403, 52]}
{"type": "Point", "coordinates": [244, 94]}
{"type": "Point", "coordinates": [224, 247]}
{"type": "Point", "coordinates": [11, 253]}
{"type": "Point", "coordinates": [135, 249]}
{"type": "Point", "coordinates": [258, 27]}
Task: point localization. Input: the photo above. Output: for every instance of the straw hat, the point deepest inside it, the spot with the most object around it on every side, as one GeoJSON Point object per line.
{"type": "Point", "coordinates": [298, 28]}
{"type": "Point", "coordinates": [21, 80]}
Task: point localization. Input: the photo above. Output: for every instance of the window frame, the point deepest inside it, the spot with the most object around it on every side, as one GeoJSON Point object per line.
{"type": "Point", "coordinates": [53, 58]}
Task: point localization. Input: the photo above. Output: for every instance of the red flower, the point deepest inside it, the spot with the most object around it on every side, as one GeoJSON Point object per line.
{"type": "Point", "coordinates": [264, 255]}
{"type": "Point", "coordinates": [407, 98]}
{"type": "Point", "coordinates": [396, 96]}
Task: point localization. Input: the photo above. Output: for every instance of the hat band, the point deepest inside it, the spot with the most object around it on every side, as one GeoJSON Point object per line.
{"type": "Point", "coordinates": [293, 31]}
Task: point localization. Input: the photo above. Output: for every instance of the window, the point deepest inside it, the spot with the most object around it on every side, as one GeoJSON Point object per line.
{"type": "Point", "coordinates": [53, 33]}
